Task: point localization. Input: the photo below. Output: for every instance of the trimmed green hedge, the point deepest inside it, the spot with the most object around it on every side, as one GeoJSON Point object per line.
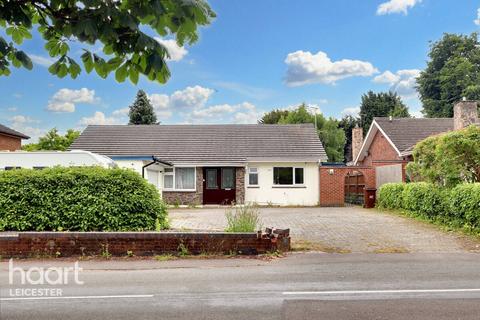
{"type": "Point", "coordinates": [79, 199]}
{"type": "Point", "coordinates": [458, 206]}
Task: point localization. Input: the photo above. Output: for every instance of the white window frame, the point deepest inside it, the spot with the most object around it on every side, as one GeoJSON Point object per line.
{"type": "Point", "coordinates": [174, 180]}
{"type": "Point", "coordinates": [248, 177]}
{"type": "Point", "coordinates": [294, 176]}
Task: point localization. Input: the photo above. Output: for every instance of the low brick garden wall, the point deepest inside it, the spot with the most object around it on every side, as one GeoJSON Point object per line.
{"type": "Point", "coordinates": [65, 244]}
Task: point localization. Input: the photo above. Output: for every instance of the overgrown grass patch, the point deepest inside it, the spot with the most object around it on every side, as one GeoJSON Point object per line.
{"type": "Point", "coordinates": [244, 218]}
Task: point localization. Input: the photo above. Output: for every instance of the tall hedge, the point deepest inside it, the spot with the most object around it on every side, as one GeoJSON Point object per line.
{"type": "Point", "coordinates": [390, 195]}
{"type": "Point", "coordinates": [458, 206]}
{"type": "Point", "coordinates": [79, 199]}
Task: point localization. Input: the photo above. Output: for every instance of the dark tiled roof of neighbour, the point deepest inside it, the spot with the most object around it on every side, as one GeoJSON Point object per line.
{"type": "Point", "coordinates": [205, 143]}
{"type": "Point", "coordinates": [406, 132]}
{"type": "Point", "coordinates": [11, 132]}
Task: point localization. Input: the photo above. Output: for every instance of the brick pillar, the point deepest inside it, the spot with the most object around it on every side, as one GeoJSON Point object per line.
{"type": "Point", "coordinates": [240, 185]}
{"type": "Point", "coordinates": [357, 141]}
{"type": "Point", "coordinates": [465, 113]}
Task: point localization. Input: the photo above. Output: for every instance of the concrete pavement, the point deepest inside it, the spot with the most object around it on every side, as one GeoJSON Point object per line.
{"type": "Point", "coordinates": [300, 286]}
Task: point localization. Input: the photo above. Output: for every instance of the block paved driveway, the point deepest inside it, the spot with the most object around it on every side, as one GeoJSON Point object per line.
{"type": "Point", "coordinates": [348, 229]}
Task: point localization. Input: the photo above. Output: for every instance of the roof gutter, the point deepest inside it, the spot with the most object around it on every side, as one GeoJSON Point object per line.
{"type": "Point", "coordinates": [154, 161]}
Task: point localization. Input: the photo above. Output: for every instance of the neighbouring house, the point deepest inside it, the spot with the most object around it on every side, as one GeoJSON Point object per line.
{"type": "Point", "coordinates": [217, 164]}
{"type": "Point", "coordinates": [384, 153]}
{"type": "Point", "coordinates": [10, 139]}
{"type": "Point", "coordinates": [390, 141]}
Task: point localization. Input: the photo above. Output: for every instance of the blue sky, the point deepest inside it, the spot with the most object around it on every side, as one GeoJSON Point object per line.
{"type": "Point", "coordinates": [255, 56]}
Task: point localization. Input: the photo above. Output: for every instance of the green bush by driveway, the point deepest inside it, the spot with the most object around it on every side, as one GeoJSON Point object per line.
{"type": "Point", "coordinates": [458, 206]}
{"type": "Point", "coordinates": [79, 199]}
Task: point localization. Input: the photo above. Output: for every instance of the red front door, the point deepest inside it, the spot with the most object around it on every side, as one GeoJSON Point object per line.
{"type": "Point", "coordinates": [218, 185]}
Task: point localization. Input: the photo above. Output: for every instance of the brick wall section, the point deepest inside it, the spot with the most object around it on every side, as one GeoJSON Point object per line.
{"type": "Point", "coordinates": [332, 186]}
{"type": "Point", "coordinates": [381, 153]}
{"type": "Point", "coordinates": [240, 185]}
{"type": "Point", "coordinates": [10, 143]}
{"type": "Point", "coordinates": [186, 198]}
{"type": "Point", "coordinates": [31, 244]}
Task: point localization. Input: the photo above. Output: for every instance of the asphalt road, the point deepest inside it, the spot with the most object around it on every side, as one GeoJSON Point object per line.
{"type": "Point", "coordinates": [301, 286]}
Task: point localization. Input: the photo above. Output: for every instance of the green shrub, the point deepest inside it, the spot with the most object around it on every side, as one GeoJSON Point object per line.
{"type": "Point", "coordinates": [423, 198]}
{"type": "Point", "coordinates": [390, 195]}
{"type": "Point", "coordinates": [243, 219]}
{"type": "Point", "coordinates": [464, 204]}
{"type": "Point", "coordinates": [79, 199]}
{"type": "Point", "coordinates": [456, 207]}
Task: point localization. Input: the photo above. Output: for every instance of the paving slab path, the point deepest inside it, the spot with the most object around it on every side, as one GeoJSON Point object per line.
{"type": "Point", "coordinates": [347, 229]}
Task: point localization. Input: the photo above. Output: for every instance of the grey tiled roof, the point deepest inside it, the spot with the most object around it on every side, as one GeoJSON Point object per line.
{"type": "Point", "coordinates": [11, 132]}
{"type": "Point", "coordinates": [205, 143]}
{"type": "Point", "coordinates": [406, 132]}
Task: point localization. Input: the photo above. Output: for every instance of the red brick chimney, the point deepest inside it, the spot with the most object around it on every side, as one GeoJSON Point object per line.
{"type": "Point", "coordinates": [465, 113]}
{"type": "Point", "coordinates": [357, 141]}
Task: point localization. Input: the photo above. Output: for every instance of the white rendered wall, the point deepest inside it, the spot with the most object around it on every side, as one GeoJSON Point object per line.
{"type": "Point", "coordinates": [268, 193]}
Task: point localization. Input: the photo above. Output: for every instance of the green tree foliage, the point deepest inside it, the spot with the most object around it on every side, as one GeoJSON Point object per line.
{"type": "Point", "coordinates": [52, 140]}
{"type": "Point", "coordinates": [141, 111]}
{"type": "Point", "coordinates": [332, 137]}
{"type": "Point", "coordinates": [347, 123]}
{"type": "Point", "coordinates": [79, 199]}
{"type": "Point", "coordinates": [273, 116]}
{"type": "Point", "coordinates": [453, 72]}
{"type": "Point", "coordinates": [448, 159]}
{"type": "Point", "coordinates": [124, 28]}
{"type": "Point", "coordinates": [382, 104]}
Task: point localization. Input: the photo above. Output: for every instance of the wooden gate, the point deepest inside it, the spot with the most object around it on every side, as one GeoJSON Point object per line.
{"type": "Point", "coordinates": [354, 188]}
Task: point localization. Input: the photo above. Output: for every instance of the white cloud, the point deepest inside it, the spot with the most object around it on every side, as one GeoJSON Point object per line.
{"type": "Point", "coordinates": [190, 97]}
{"type": "Point", "coordinates": [64, 100]}
{"type": "Point", "coordinates": [12, 109]}
{"type": "Point", "coordinates": [246, 117]}
{"type": "Point", "coordinates": [244, 112]}
{"type": "Point", "coordinates": [402, 82]}
{"type": "Point", "coordinates": [386, 77]}
{"type": "Point", "coordinates": [23, 124]}
{"type": "Point", "coordinates": [60, 106]}
{"type": "Point", "coordinates": [41, 60]}
{"type": "Point", "coordinates": [396, 6]}
{"type": "Point", "coordinates": [159, 101]}
{"type": "Point", "coordinates": [98, 118]}
{"type": "Point", "coordinates": [213, 111]}
{"type": "Point", "coordinates": [23, 119]}
{"type": "Point", "coordinates": [176, 52]}
{"type": "Point", "coordinates": [351, 111]}
{"type": "Point", "coordinates": [121, 112]}
{"type": "Point", "coordinates": [477, 21]}
{"type": "Point", "coordinates": [305, 67]}
{"type": "Point", "coordinates": [416, 114]}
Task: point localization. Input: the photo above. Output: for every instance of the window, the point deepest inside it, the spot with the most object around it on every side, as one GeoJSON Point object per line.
{"type": "Point", "coordinates": [211, 179]}
{"type": "Point", "coordinates": [179, 178]}
{"type": "Point", "coordinates": [184, 178]}
{"type": "Point", "coordinates": [287, 176]}
{"type": "Point", "coordinates": [253, 176]}
{"type": "Point", "coordinates": [228, 178]}
{"type": "Point", "coordinates": [298, 175]}
{"type": "Point", "coordinates": [168, 178]}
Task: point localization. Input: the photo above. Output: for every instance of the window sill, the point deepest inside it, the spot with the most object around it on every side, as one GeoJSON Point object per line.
{"type": "Point", "coordinates": [291, 186]}
{"type": "Point", "coordinates": [254, 187]}
{"type": "Point", "coordinates": [181, 190]}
